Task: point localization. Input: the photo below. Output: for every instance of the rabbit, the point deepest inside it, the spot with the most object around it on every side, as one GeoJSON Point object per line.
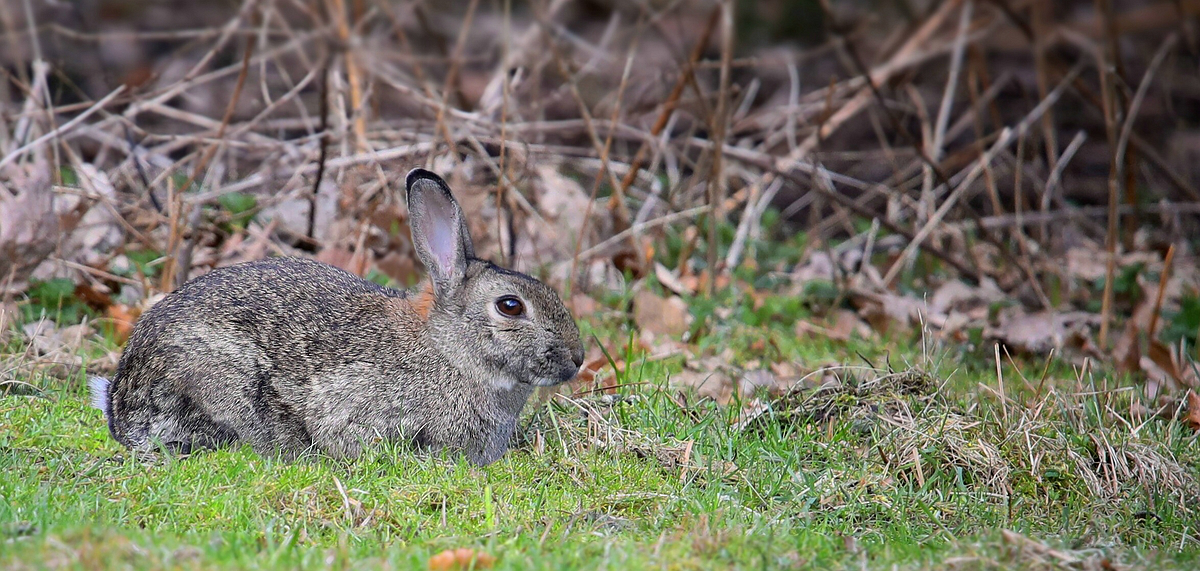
{"type": "Point", "coordinates": [292, 355]}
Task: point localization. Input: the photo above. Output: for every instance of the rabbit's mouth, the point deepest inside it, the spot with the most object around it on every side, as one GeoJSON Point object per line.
{"type": "Point", "coordinates": [565, 374]}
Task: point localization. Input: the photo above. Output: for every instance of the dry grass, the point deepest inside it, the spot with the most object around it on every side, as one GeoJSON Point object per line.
{"type": "Point", "coordinates": [271, 100]}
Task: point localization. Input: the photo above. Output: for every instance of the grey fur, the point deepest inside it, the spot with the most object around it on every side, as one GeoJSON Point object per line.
{"type": "Point", "coordinates": [291, 355]}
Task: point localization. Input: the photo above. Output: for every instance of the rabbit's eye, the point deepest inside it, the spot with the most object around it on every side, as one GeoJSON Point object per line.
{"type": "Point", "coordinates": [510, 306]}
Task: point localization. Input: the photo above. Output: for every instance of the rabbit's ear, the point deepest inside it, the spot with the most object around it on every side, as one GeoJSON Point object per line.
{"type": "Point", "coordinates": [439, 229]}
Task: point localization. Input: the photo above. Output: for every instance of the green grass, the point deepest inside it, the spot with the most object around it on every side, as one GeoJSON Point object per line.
{"type": "Point", "coordinates": [905, 470]}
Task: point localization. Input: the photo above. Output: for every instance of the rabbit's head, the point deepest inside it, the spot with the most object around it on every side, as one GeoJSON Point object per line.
{"type": "Point", "coordinates": [499, 320]}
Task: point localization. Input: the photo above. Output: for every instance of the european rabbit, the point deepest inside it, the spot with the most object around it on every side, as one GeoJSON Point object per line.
{"type": "Point", "coordinates": [291, 355]}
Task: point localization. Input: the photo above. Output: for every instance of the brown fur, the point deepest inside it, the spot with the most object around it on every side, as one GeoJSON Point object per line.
{"type": "Point", "coordinates": [422, 302]}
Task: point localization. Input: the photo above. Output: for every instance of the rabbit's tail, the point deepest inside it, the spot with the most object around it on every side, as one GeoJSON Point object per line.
{"type": "Point", "coordinates": [98, 387]}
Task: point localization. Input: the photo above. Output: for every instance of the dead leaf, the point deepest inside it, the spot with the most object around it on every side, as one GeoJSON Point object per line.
{"type": "Point", "coordinates": [1171, 362]}
{"type": "Point", "coordinates": [581, 305]}
{"type": "Point", "coordinates": [886, 311]}
{"type": "Point", "coordinates": [712, 383]}
{"type": "Point", "coordinates": [663, 316]}
{"type": "Point", "coordinates": [1192, 420]}
{"type": "Point", "coordinates": [1127, 352]}
{"type": "Point", "coordinates": [462, 558]}
{"type": "Point", "coordinates": [819, 266]}
{"type": "Point", "coordinates": [722, 281]}
{"type": "Point", "coordinates": [48, 339]}
{"type": "Point", "coordinates": [585, 381]}
{"type": "Point", "coordinates": [658, 346]}
{"type": "Point", "coordinates": [339, 257]}
{"type": "Point", "coordinates": [121, 319]}
{"type": "Point", "coordinates": [839, 325]}
{"type": "Point", "coordinates": [669, 280]}
{"type": "Point", "coordinates": [1039, 333]}
{"type": "Point", "coordinates": [956, 296]}
{"type": "Point", "coordinates": [560, 200]}
{"type": "Point", "coordinates": [98, 231]}
{"type": "Point", "coordinates": [57, 349]}
{"type": "Point", "coordinates": [29, 230]}
{"type": "Point", "coordinates": [106, 365]}
{"type": "Point", "coordinates": [96, 295]}
{"type": "Point", "coordinates": [10, 315]}
{"type": "Point", "coordinates": [1086, 264]}
{"type": "Point", "coordinates": [755, 381]}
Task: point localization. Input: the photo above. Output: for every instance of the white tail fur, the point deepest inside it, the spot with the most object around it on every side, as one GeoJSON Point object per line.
{"type": "Point", "coordinates": [98, 387]}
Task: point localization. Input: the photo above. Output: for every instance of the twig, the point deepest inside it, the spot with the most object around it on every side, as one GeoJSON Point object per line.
{"type": "Point", "coordinates": [717, 183]}
{"type": "Point", "coordinates": [672, 100]}
{"type": "Point", "coordinates": [64, 128]}
{"type": "Point", "coordinates": [1040, 13]}
{"type": "Point", "coordinates": [619, 207]}
{"type": "Point", "coordinates": [323, 129]}
{"type": "Point", "coordinates": [170, 268]}
{"type": "Point", "coordinates": [604, 162]}
{"type": "Point", "coordinates": [1053, 181]}
{"type": "Point", "coordinates": [1143, 147]}
{"type": "Point", "coordinates": [1162, 288]}
{"type": "Point", "coordinates": [337, 9]}
{"type": "Point", "coordinates": [1143, 87]}
{"type": "Point", "coordinates": [452, 73]}
{"type": "Point", "coordinates": [768, 163]}
{"type": "Point", "coordinates": [751, 216]}
{"type": "Point", "coordinates": [943, 116]}
{"type": "Point", "coordinates": [1109, 98]}
{"type": "Point", "coordinates": [626, 233]}
{"type": "Point", "coordinates": [1031, 218]}
{"type": "Point", "coordinates": [1006, 137]}
{"type": "Point", "coordinates": [190, 78]}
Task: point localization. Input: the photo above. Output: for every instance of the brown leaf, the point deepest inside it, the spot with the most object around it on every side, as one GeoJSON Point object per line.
{"type": "Point", "coordinates": [713, 384]}
{"type": "Point", "coordinates": [1192, 420]}
{"type": "Point", "coordinates": [956, 296]}
{"type": "Point", "coordinates": [10, 314]}
{"type": "Point", "coordinates": [664, 316]}
{"type": "Point", "coordinates": [98, 230]}
{"type": "Point", "coordinates": [399, 267]}
{"type": "Point", "coordinates": [840, 325]}
{"type": "Point", "coordinates": [669, 280]}
{"type": "Point", "coordinates": [658, 346]}
{"type": "Point", "coordinates": [337, 256]}
{"type": "Point", "coordinates": [1038, 333]}
{"type": "Point", "coordinates": [1127, 353]}
{"type": "Point", "coordinates": [722, 281]}
{"type": "Point", "coordinates": [121, 319]}
{"type": "Point", "coordinates": [29, 230]}
{"type": "Point", "coordinates": [888, 312]}
{"type": "Point", "coordinates": [582, 305]}
{"type": "Point", "coordinates": [756, 380]}
{"type": "Point", "coordinates": [585, 381]}
{"type": "Point", "coordinates": [461, 559]}
{"type": "Point", "coordinates": [48, 339]}
{"type": "Point", "coordinates": [96, 296]}
{"type": "Point", "coordinates": [1170, 362]}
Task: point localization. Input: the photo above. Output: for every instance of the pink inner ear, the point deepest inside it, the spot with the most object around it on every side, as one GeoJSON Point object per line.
{"type": "Point", "coordinates": [443, 235]}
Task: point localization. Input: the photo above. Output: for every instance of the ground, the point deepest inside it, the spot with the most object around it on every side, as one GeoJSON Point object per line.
{"type": "Point", "coordinates": [906, 458]}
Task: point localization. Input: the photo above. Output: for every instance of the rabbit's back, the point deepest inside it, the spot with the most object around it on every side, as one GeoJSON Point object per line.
{"type": "Point", "coordinates": [232, 355]}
